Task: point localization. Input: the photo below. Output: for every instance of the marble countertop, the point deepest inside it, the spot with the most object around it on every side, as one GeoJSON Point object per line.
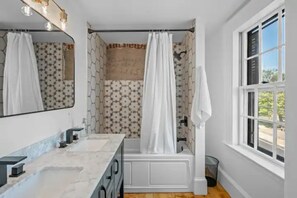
{"type": "Point", "coordinates": [93, 165]}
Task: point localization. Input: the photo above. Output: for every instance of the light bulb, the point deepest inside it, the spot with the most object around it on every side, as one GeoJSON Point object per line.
{"type": "Point", "coordinates": [45, 4]}
{"type": "Point", "coordinates": [48, 26]}
{"type": "Point", "coordinates": [44, 9]}
{"type": "Point", "coordinates": [63, 19]}
{"type": "Point", "coordinates": [26, 10]}
{"type": "Point", "coordinates": [63, 25]}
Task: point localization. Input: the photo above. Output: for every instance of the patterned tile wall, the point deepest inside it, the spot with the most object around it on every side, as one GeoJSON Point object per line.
{"type": "Point", "coordinates": [123, 107]}
{"type": "Point", "coordinates": [189, 87]}
{"type": "Point", "coordinates": [179, 55]}
{"type": "Point", "coordinates": [123, 100]}
{"type": "Point", "coordinates": [3, 41]}
{"type": "Point", "coordinates": [96, 78]}
{"type": "Point", "coordinates": [56, 93]}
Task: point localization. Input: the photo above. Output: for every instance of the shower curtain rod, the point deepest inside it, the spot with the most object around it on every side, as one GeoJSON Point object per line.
{"type": "Point", "coordinates": [90, 31]}
{"type": "Point", "coordinates": [28, 30]}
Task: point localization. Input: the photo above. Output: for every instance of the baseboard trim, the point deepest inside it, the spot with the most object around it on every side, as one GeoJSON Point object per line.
{"type": "Point", "coordinates": [231, 186]}
{"type": "Point", "coordinates": [200, 186]}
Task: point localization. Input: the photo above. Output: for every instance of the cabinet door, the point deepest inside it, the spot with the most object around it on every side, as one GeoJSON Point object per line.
{"type": "Point", "coordinates": [118, 167]}
{"type": "Point", "coordinates": [108, 177]}
{"type": "Point", "coordinates": [110, 192]}
{"type": "Point", "coordinates": [102, 192]}
{"type": "Point", "coordinates": [103, 186]}
{"type": "Point", "coordinates": [96, 192]}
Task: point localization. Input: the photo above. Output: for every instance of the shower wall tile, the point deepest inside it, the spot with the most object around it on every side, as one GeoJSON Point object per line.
{"type": "Point", "coordinates": [56, 92]}
{"type": "Point", "coordinates": [189, 88]}
{"type": "Point", "coordinates": [119, 109]}
{"type": "Point", "coordinates": [123, 107]}
{"type": "Point", "coordinates": [123, 100]}
{"type": "Point", "coordinates": [96, 78]}
{"type": "Point", "coordinates": [3, 43]}
{"type": "Point", "coordinates": [179, 55]}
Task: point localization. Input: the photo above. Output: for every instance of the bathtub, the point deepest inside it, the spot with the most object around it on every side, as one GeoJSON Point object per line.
{"type": "Point", "coordinates": [157, 172]}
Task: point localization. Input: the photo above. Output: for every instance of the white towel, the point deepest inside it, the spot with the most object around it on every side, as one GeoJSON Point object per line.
{"type": "Point", "coordinates": [201, 108]}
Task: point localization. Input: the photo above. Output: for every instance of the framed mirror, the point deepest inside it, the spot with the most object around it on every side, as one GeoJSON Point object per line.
{"type": "Point", "coordinates": [37, 63]}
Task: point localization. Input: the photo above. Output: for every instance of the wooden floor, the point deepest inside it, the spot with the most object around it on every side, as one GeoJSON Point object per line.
{"type": "Point", "coordinates": [215, 192]}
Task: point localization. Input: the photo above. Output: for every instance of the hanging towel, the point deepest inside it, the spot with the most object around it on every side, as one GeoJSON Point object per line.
{"type": "Point", "coordinates": [201, 108]}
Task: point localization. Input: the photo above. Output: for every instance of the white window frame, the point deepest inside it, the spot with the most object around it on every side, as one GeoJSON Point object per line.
{"type": "Point", "coordinates": [237, 140]}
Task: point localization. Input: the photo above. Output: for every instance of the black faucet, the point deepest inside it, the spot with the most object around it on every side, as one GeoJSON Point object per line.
{"type": "Point", "coordinates": [8, 160]}
{"type": "Point", "coordinates": [69, 134]}
{"type": "Point", "coordinates": [181, 139]}
{"type": "Point", "coordinates": [184, 121]}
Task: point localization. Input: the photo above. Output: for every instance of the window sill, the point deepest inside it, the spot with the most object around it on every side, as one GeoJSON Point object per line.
{"type": "Point", "coordinates": [274, 168]}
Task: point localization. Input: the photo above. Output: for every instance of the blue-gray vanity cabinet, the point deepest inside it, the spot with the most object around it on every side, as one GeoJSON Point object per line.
{"type": "Point", "coordinates": [119, 168]}
{"type": "Point", "coordinates": [111, 183]}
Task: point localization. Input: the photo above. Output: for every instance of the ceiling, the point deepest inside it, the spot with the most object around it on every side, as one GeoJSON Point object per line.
{"type": "Point", "coordinates": [11, 16]}
{"type": "Point", "coordinates": [134, 14]}
{"type": "Point", "coordinates": [150, 14]}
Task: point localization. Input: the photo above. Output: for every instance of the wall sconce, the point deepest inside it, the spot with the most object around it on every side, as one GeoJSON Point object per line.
{"type": "Point", "coordinates": [44, 5]}
{"type": "Point", "coordinates": [63, 18]}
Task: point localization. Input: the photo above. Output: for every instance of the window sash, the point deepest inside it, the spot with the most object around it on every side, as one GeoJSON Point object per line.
{"type": "Point", "coordinates": [279, 47]}
{"type": "Point", "coordinates": [275, 89]}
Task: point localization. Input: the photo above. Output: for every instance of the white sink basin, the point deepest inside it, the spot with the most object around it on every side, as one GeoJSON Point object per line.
{"type": "Point", "coordinates": [89, 145]}
{"type": "Point", "coordinates": [50, 182]}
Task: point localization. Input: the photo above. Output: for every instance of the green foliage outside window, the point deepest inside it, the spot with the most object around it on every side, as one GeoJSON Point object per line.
{"type": "Point", "coordinates": [266, 105]}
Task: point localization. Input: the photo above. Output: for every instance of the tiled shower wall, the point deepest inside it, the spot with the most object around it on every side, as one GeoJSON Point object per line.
{"type": "Point", "coordinates": [121, 111]}
{"type": "Point", "coordinates": [55, 91]}
{"type": "Point", "coordinates": [3, 41]}
{"type": "Point", "coordinates": [96, 78]}
{"type": "Point", "coordinates": [123, 107]}
{"type": "Point", "coordinates": [188, 88]}
{"type": "Point", "coordinates": [123, 100]}
{"type": "Point", "coordinates": [179, 56]}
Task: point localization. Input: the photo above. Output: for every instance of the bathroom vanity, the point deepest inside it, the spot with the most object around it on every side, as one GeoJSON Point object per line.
{"type": "Point", "coordinates": [90, 167]}
{"type": "Point", "coordinates": [111, 183]}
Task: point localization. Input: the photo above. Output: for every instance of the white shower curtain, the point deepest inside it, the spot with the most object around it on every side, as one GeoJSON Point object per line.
{"type": "Point", "coordinates": [158, 126]}
{"type": "Point", "coordinates": [21, 89]}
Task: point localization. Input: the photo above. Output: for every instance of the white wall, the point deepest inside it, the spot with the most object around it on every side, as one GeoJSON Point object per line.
{"type": "Point", "coordinates": [291, 98]}
{"type": "Point", "coordinates": [240, 176]}
{"type": "Point", "coordinates": [19, 131]}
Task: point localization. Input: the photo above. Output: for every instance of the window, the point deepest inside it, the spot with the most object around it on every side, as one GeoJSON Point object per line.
{"type": "Point", "coordinates": [262, 95]}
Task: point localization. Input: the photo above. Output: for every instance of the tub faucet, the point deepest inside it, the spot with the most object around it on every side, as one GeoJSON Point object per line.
{"type": "Point", "coordinates": [8, 160]}
{"type": "Point", "coordinates": [181, 139]}
{"type": "Point", "coordinates": [184, 121]}
{"type": "Point", "coordinates": [69, 134]}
